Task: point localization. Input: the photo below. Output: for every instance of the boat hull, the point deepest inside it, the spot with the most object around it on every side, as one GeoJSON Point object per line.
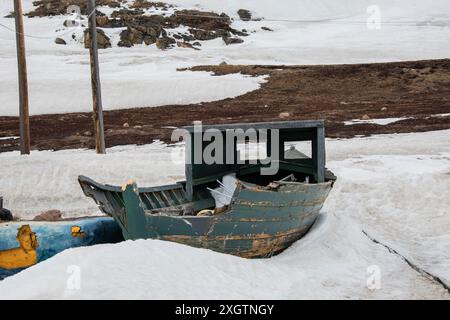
{"type": "Point", "coordinates": [259, 223]}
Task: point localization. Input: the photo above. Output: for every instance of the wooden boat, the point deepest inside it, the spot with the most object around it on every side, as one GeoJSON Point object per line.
{"type": "Point", "coordinates": [265, 213]}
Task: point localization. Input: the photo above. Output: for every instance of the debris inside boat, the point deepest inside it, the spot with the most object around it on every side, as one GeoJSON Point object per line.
{"type": "Point", "coordinates": [230, 202]}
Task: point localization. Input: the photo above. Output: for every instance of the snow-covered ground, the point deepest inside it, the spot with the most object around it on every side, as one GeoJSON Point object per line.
{"type": "Point", "coordinates": [394, 187]}
{"type": "Point", "coordinates": [305, 32]}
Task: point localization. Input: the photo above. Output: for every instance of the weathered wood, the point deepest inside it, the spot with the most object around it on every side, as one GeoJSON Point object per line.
{"type": "Point", "coordinates": [318, 147]}
{"type": "Point", "coordinates": [23, 81]}
{"type": "Point", "coordinates": [258, 222]}
{"type": "Point", "coordinates": [95, 81]}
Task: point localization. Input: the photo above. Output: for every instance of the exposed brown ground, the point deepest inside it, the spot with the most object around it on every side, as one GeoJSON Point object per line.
{"type": "Point", "coordinates": [334, 93]}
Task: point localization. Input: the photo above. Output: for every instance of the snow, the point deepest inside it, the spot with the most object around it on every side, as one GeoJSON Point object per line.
{"type": "Point", "coordinates": [381, 122]}
{"type": "Point", "coordinates": [305, 32]}
{"type": "Point", "coordinates": [441, 115]}
{"type": "Point", "coordinates": [7, 138]}
{"type": "Point", "coordinates": [390, 186]}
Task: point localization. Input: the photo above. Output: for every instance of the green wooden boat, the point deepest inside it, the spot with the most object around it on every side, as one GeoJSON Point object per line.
{"type": "Point", "coordinates": [264, 214]}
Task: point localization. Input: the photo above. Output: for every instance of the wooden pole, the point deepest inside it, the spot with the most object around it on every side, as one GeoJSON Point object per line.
{"type": "Point", "coordinates": [95, 81]}
{"type": "Point", "coordinates": [23, 82]}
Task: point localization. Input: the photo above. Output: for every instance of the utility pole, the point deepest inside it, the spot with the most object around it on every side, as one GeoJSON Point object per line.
{"type": "Point", "coordinates": [95, 81]}
{"type": "Point", "coordinates": [23, 82]}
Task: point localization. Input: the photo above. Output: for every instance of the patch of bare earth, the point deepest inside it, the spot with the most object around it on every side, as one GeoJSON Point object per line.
{"type": "Point", "coordinates": [336, 93]}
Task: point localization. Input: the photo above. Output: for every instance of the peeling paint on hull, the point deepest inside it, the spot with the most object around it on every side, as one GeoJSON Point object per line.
{"type": "Point", "coordinates": [258, 224]}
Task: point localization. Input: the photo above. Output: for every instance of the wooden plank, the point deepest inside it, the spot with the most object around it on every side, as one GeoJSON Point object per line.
{"type": "Point", "coordinates": [320, 154]}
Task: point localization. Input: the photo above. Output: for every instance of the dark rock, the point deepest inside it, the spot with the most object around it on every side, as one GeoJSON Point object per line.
{"type": "Point", "coordinates": [266, 29]}
{"type": "Point", "coordinates": [242, 33]}
{"type": "Point", "coordinates": [197, 44]}
{"type": "Point", "coordinates": [144, 4]}
{"type": "Point", "coordinates": [60, 41]}
{"type": "Point", "coordinates": [186, 45]}
{"type": "Point", "coordinates": [223, 33]}
{"type": "Point", "coordinates": [50, 215]}
{"type": "Point", "coordinates": [125, 43]}
{"type": "Point", "coordinates": [5, 215]}
{"type": "Point", "coordinates": [203, 34]}
{"type": "Point", "coordinates": [244, 14]}
{"type": "Point", "coordinates": [148, 40]}
{"type": "Point", "coordinates": [142, 28]}
{"type": "Point", "coordinates": [188, 37]}
{"type": "Point", "coordinates": [198, 20]}
{"type": "Point", "coordinates": [165, 43]}
{"type": "Point", "coordinates": [232, 40]}
{"type": "Point", "coordinates": [102, 21]}
{"type": "Point", "coordinates": [114, 23]}
{"type": "Point", "coordinates": [109, 3]}
{"type": "Point", "coordinates": [223, 15]}
{"type": "Point", "coordinates": [103, 41]}
{"type": "Point", "coordinates": [70, 23]}
{"type": "Point", "coordinates": [57, 7]}
{"type": "Point", "coordinates": [138, 35]}
{"type": "Point", "coordinates": [127, 34]}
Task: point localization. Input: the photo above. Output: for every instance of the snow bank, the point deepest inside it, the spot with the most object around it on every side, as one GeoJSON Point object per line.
{"type": "Point", "coordinates": [46, 179]}
{"type": "Point", "coordinates": [330, 262]}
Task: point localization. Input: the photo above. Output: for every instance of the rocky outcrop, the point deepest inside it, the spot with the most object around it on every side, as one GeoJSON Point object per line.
{"type": "Point", "coordinates": [138, 34]}
{"type": "Point", "coordinates": [60, 41]}
{"type": "Point", "coordinates": [57, 7]}
{"type": "Point", "coordinates": [144, 4]}
{"type": "Point", "coordinates": [142, 28]}
{"type": "Point", "coordinates": [165, 43]}
{"type": "Point", "coordinates": [186, 45]}
{"type": "Point", "coordinates": [266, 29]}
{"type": "Point", "coordinates": [231, 40]}
{"type": "Point", "coordinates": [103, 41]}
{"type": "Point", "coordinates": [50, 215]}
{"type": "Point", "coordinates": [101, 21]}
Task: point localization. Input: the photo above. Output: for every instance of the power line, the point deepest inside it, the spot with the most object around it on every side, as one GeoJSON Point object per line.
{"type": "Point", "coordinates": [304, 21]}
{"type": "Point", "coordinates": [42, 37]}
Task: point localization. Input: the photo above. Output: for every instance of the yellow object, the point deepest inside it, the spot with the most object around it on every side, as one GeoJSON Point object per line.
{"type": "Point", "coordinates": [76, 232]}
{"type": "Point", "coordinates": [25, 255]}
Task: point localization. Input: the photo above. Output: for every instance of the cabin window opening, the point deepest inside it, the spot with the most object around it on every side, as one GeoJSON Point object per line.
{"type": "Point", "coordinates": [252, 151]}
{"type": "Point", "coordinates": [298, 150]}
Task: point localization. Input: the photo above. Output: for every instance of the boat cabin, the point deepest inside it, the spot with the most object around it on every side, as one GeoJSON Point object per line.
{"type": "Point", "coordinates": [213, 151]}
